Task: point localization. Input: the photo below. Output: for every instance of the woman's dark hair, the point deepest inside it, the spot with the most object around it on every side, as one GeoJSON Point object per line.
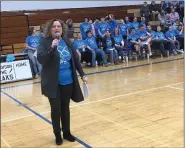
{"type": "Point", "coordinates": [48, 27]}
{"type": "Point", "coordinates": [30, 30]}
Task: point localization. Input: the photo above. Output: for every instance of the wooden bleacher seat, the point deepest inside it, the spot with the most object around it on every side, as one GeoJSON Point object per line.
{"type": "Point", "coordinates": [76, 25]}
{"type": "Point", "coordinates": [7, 49]}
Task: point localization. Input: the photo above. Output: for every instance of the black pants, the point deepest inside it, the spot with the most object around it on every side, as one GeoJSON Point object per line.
{"type": "Point", "coordinates": [163, 45]}
{"type": "Point", "coordinates": [60, 108]}
{"type": "Point", "coordinates": [86, 56]}
{"type": "Point", "coordinates": [181, 40]}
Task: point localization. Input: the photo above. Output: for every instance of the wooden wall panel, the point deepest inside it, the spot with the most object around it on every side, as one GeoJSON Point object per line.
{"type": "Point", "coordinates": [21, 39]}
{"type": "Point", "coordinates": [14, 29]}
{"type": "Point", "coordinates": [14, 35]}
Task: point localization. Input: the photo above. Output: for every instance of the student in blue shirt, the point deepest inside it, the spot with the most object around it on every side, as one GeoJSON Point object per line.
{"type": "Point", "coordinates": [143, 22]}
{"type": "Point", "coordinates": [109, 48]}
{"type": "Point", "coordinates": [145, 38]}
{"type": "Point", "coordinates": [135, 23]}
{"type": "Point", "coordinates": [103, 26]}
{"type": "Point", "coordinates": [84, 27]}
{"type": "Point", "coordinates": [123, 29]}
{"type": "Point", "coordinates": [119, 43]}
{"type": "Point", "coordinates": [81, 47]}
{"type": "Point", "coordinates": [135, 42]}
{"type": "Point", "coordinates": [112, 23]}
{"type": "Point", "coordinates": [96, 26]}
{"type": "Point", "coordinates": [32, 43]}
{"type": "Point", "coordinates": [170, 35]}
{"type": "Point", "coordinates": [128, 23]}
{"type": "Point", "coordinates": [179, 33]}
{"type": "Point", "coordinates": [93, 47]}
{"type": "Point", "coordinates": [157, 43]}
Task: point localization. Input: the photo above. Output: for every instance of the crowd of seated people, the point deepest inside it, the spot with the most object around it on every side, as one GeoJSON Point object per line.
{"type": "Point", "coordinates": [104, 41]}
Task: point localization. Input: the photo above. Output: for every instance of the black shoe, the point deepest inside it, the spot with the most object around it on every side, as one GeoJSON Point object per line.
{"type": "Point", "coordinates": [69, 137]}
{"type": "Point", "coordinates": [58, 139]}
{"type": "Point", "coordinates": [152, 57]}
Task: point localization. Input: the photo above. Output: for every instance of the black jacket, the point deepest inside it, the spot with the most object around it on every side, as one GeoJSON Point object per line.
{"type": "Point", "coordinates": [104, 42]}
{"type": "Point", "coordinates": [50, 62]}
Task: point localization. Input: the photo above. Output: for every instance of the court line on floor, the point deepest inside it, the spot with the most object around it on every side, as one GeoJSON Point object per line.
{"type": "Point", "coordinates": [125, 127]}
{"type": "Point", "coordinates": [175, 88]}
{"type": "Point", "coordinates": [42, 117]}
{"type": "Point", "coordinates": [6, 143]}
{"type": "Point", "coordinates": [104, 71]}
{"type": "Point", "coordinates": [110, 98]}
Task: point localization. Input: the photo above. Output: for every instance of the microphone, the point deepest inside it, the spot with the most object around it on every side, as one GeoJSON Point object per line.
{"type": "Point", "coordinates": [57, 36]}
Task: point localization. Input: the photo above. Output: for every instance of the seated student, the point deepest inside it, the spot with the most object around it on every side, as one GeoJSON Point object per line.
{"type": "Point", "coordinates": [109, 47]}
{"type": "Point", "coordinates": [119, 43]}
{"type": "Point", "coordinates": [156, 41]}
{"type": "Point", "coordinates": [81, 47]}
{"type": "Point", "coordinates": [93, 47]}
{"type": "Point", "coordinates": [128, 23]}
{"type": "Point", "coordinates": [135, 42]}
{"type": "Point", "coordinates": [135, 23]}
{"type": "Point", "coordinates": [32, 43]}
{"type": "Point", "coordinates": [145, 38]}
{"type": "Point", "coordinates": [170, 35]}
{"type": "Point", "coordinates": [143, 22]}
{"type": "Point", "coordinates": [84, 27]}
{"type": "Point", "coordinates": [123, 29]}
{"type": "Point", "coordinates": [179, 33]}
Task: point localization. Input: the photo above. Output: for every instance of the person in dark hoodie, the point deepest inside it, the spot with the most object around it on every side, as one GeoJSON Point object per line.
{"type": "Point", "coordinates": [59, 81]}
{"type": "Point", "coordinates": [154, 10]}
{"type": "Point", "coordinates": [145, 11]}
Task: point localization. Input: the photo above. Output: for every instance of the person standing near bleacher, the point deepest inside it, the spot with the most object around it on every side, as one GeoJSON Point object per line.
{"type": "Point", "coordinates": [112, 23]}
{"type": "Point", "coordinates": [103, 26]}
{"type": "Point", "coordinates": [32, 43]}
{"type": "Point", "coordinates": [84, 27]}
{"type": "Point", "coordinates": [123, 29]}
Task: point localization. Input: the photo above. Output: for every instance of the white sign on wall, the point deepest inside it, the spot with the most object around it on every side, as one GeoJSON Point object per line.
{"type": "Point", "coordinates": [15, 71]}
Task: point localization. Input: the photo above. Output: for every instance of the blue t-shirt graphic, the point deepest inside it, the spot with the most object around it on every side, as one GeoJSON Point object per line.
{"type": "Point", "coordinates": [65, 73]}
{"type": "Point", "coordinates": [113, 24]}
{"type": "Point", "coordinates": [33, 41]}
{"type": "Point", "coordinates": [91, 42]}
{"type": "Point", "coordinates": [129, 25]}
{"type": "Point", "coordinates": [160, 35]}
{"type": "Point", "coordinates": [135, 25]}
{"type": "Point", "coordinates": [170, 34]}
{"type": "Point", "coordinates": [142, 34]}
{"type": "Point", "coordinates": [84, 27]}
{"type": "Point", "coordinates": [152, 33]}
{"type": "Point", "coordinates": [118, 39]}
{"type": "Point", "coordinates": [103, 26]}
{"type": "Point", "coordinates": [109, 43]}
{"type": "Point", "coordinates": [123, 29]}
{"type": "Point", "coordinates": [78, 43]}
